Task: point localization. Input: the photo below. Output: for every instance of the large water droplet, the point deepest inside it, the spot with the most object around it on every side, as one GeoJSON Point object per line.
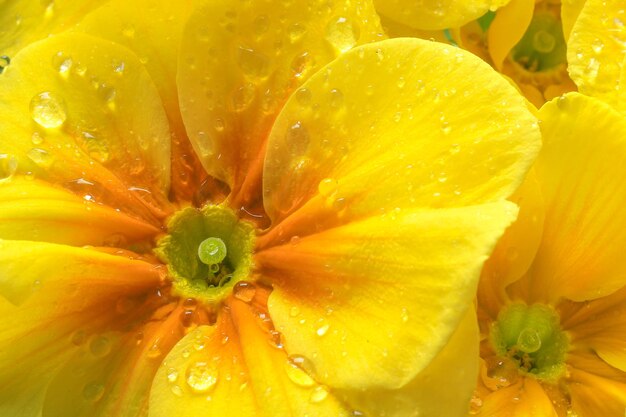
{"type": "Point", "coordinates": [327, 187]}
{"type": "Point", "coordinates": [253, 63]}
{"type": "Point", "coordinates": [318, 395]}
{"type": "Point", "coordinates": [62, 64]}
{"type": "Point", "coordinates": [243, 96]}
{"type": "Point", "coordinates": [8, 166]}
{"type": "Point", "coordinates": [322, 330]}
{"type": "Point", "coordinates": [244, 291]}
{"type": "Point", "coordinates": [342, 34]}
{"type": "Point", "coordinates": [48, 110]}
{"type": "Point", "coordinates": [100, 346]}
{"type": "Point", "coordinates": [201, 378]}
{"type": "Point", "coordinates": [297, 375]}
{"type": "Point", "coordinates": [298, 138]}
{"type": "Point", "coordinates": [93, 391]}
{"type": "Point", "coordinates": [41, 157]}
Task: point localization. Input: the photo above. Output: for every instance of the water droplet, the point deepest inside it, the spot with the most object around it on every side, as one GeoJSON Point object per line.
{"type": "Point", "coordinates": [597, 46]}
{"type": "Point", "coordinates": [8, 166]}
{"type": "Point", "coordinates": [244, 291]}
{"type": "Point", "coordinates": [36, 138]}
{"type": "Point", "coordinates": [302, 64]}
{"type": "Point", "coordinates": [294, 311]}
{"type": "Point", "coordinates": [591, 70]}
{"type": "Point", "coordinates": [318, 395]}
{"type": "Point", "coordinates": [128, 31]}
{"type": "Point", "coordinates": [93, 391]}
{"type": "Point", "coordinates": [295, 32]}
{"type": "Point", "coordinates": [78, 337]}
{"type": "Point", "coordinates": [154, 351]}
{"type": "Point", "coordinates": [322, 330]}
{"type": "Point", "coordinates": [304, 96]}
{"type": "Point", "coordinates": [445, 128]}
{"type": "Point", "coordinates": [201, 378]}
{"type": "Point", "coordinates": [336, 98]}
{"type": "Point", "coordinates": [172, 375]}
{"type": "Point", "coordinates": [177, 390]}
{"type": "Point", "coordinates": [94, 146]}
{"type": "Point", "coordinates": [298, 138]}
{"type": "Point", "coordinates": [243, 97]}
{"type": "Point", "coordinates": [4, 62]}
{"type": "Point", "coordinates": [253, 63]}
{"type": "Point", "coordinates": [327, 187]}
{"type": "Point", "coordinates": [119, 67]}
{"type": "Point", "coordinates": [342, 34]}
{"type": "Point", "coordinates": [401, 82]}
{"type": "Point", "coordinates": [63, 64]}
{"type": "Point", "coordinates": [41, 157]}
{"type": "Point", "coordinates": [404, 315]}
{"type": "Point", "coordinates": [297, 375]}
{"type": "Point", "coordinates": [48, 110]}
{"type": "Point", "coordinates": [100, 346]}
{"type": "Point", "coordinates": [261, 24]}
{"type": "Point", "coordinates": [219, 125]}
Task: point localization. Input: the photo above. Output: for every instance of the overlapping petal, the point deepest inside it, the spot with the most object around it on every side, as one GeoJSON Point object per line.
{"type": "Point", "coordinates": [229, 113]}
{"type": "Point", "coordinates": [580, 256]}
{"type": "Point", "coordinates": [71, 115]}
{"type": "Point", "coordinates": [507, 28]}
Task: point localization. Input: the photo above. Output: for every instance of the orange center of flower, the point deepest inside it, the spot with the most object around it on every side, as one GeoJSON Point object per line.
{"type": "Point", "coordinates": [532, 338]}
{"type": "Point", "coordinates": [207, 252]}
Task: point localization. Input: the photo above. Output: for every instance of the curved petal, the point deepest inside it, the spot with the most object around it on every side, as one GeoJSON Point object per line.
{"type": "Point", "coordinates": [71, 116]}
{"type": "Point", "coordinates": [524, 399]}
{"type": "Point", "coordinates": [35, 210]}
{"type": "Point", "coordinates": [515, 251]}
{"type": "Point", "coordinates": [26, 21]}
{"type": "Point", "coordinates": [444, 388]}
{"type": "Point", "coordinates": [232, 369]}
{"type": "Point", "coordinates": [398, 123]}
{"type": "Point", "coordinates": [269, 48]}
{"type": "Point", "coordinates": [153, 31]}
{"type": "Point", "coordinates": [58, 298]}
{"type": "Point", "coordinates": [371, 303]}
{"type": "Point", "coordinates": [580, 170]}
{"type": "Point", "coordinates": [508, 28]}
{"type": "Point", "coordinates": [436, 14]}
{"type": "Point", "coordinates": [597, 47]}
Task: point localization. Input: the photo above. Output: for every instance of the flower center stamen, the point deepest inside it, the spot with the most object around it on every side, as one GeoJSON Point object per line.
{"type": "Point", "coordinates": [543, 46]}
{"type": "Point", "coordinates": [207, 252]}
{"type": "Point", "coordinates": [531, 337]}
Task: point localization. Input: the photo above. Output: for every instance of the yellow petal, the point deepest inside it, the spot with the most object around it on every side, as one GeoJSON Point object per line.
{"type": "Point", "coordinates": [525, 399]}
{"type": "Point", "coordinates": [398, 123]}
{"type": "Point", "coordinates": [58, 298]}
{"type": "Point", "coordinates": [508, 28]}
{"type": "Point", "coordinates": [597, 47]}
{"type": "Point", "coordinates": [239, 64]}
{"type": "Point", "coordinates": [34, 210]}
{"type": "Point", "coordinates": [27, 21]}
{"type": "Point", "coordinates": [580, 170]}
{"type": "Point", "coordinates": [371, 303]}
{"type": "Point", "coordinates": [71, 116]}
{"type": "Point", "coordinates": [570, 9]}
{"type": "Point", "coordinates": [436, 14]}
{"type": "Point", "coordinates": [232, 369]}
{"type": "Point", "coordinates": [444, 388]}
{"type": "Point", "coordinates": [153, 31]}
{"type": "Point", "coordinates": [516, 249]}
{"type": "Point", "coordinates": [596, 389]}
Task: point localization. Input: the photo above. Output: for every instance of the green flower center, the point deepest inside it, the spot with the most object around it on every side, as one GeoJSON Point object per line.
{"type": "Point", "coordinates": [543, 46]}
{"type": "Point", "coordinates": [531, 337]}
{"type": "Point", "coordinates": [207, 251]}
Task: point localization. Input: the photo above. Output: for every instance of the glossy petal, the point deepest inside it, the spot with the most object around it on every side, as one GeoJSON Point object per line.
{"type": "Point", "coordinates": [399, 123]}
{"type": "Point", "coordinates": [53, 310]}
{"type": "Point", "coordinates": [597, 47]}
{"type": "Point", "coordinates": [580, 171]}
{"type": "Point", "coordinates": [26, 21]}
{"type": "Point", "coordinates": [433, 15]}
{"type": "Point", "coordinates": [269, 51]}
{"type": "Point", "coordinates": [508, 28]}
{"type": "Point", "coordinates": [524, 399]}
{"type": "Point", "coordinates": [232, 369]}
{"type": "Point", "coordinates": [444, 388]}
{"type": "Point", "coordinates": [35, 210]}
{"type": "Point", "coordinates": [371, 303]}
{"type": "Point", "coordinates": [153, 31]}
{"type": "Point", "coordinates": [69, 116]}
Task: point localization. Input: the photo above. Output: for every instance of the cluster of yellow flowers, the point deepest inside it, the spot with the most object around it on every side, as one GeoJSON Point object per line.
{"type": "Point", "coordinates": [311, 208]}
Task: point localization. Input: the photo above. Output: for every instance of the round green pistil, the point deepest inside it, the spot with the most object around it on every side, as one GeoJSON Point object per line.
{"type": "Point", "coordinates": [212, 251]}
{"type": "Point", "coordinates": [543, 46]}
{"type": "Point", "coordinates": [531, 336]}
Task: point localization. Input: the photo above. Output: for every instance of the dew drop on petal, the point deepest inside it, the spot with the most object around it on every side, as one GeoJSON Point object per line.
{"type": "Point", "coordinates": [8, 166]}
{"type": "Point", "coordinates": [48, 110]}
{"type": "Point", "coordinates": [201, 378]}
{"type": "Point", "coordinates": [322, 330]}
{"type": "Point", "coordinates": [40, 157]}
{"type": "Point", "coordinates": [93, 391]}
{"type": "Point", "coordinates": [172, 375]}
{"type": "Point", "coordinates": [100, 346]}
{"type": "Point", "coordinates": [297, 375]}
{"type": "Point", "coordinates": [342, 34]}
{"type": "Point", "coordinates": [244, 291]}
{"type": "Point", "coordinates": [318, 395]}
{"type": "Point", "coordinates": [327, 187]}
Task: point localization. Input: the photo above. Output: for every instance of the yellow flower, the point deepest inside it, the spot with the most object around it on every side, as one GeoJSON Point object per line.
{"type": "Point", "coordinates": [551, 301]}
{"type": "Point", "coordinates": [314, 254]}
